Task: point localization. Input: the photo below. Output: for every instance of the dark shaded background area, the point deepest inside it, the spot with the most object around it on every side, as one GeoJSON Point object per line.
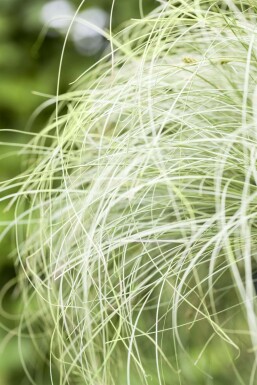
{"type": "Point", "coordinates": [29, 62]}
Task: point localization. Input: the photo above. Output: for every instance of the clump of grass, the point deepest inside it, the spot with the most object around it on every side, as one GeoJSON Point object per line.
{"type": "Point", "coordinates": [140, 206]}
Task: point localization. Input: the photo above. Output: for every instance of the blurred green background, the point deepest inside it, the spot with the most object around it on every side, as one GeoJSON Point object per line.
{"type": "Point", "coordinates": [29, 60]}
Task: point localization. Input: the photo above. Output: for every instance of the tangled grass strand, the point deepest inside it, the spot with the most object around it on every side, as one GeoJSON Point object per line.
{"type": "Point", "coordinates": [136, 220]}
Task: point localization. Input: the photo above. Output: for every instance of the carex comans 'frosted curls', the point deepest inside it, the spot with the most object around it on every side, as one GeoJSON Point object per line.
{"type": "Point", "coordinates": [140, 206]}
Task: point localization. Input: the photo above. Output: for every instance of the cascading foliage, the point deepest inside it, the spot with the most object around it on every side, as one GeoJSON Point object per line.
{"type": "Point", "coordinates": [140, 206]}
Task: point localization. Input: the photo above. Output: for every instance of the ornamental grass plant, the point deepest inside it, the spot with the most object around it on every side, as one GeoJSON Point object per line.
{"type": "Point", "coordinates": [135, 224]}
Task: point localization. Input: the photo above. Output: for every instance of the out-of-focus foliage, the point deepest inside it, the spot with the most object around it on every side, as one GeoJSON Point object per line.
{"type": "Point", "coordinates": [30, 63]}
